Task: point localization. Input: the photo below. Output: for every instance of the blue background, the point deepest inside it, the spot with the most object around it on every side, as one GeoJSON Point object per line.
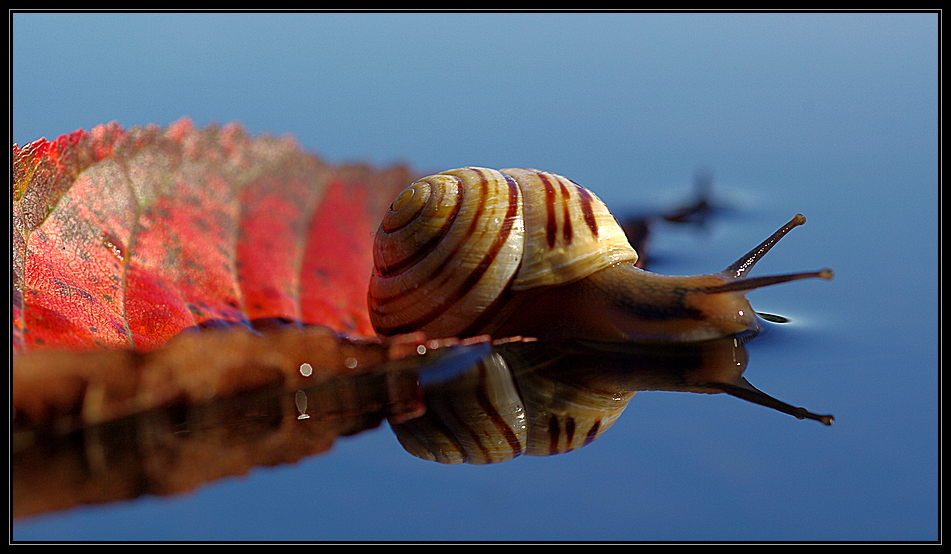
{"type": "Point", "coordinates": [834, 115]}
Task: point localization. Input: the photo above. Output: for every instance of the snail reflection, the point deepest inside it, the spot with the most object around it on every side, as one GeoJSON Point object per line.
{"type": "Point", "coordinates": [541, 399]}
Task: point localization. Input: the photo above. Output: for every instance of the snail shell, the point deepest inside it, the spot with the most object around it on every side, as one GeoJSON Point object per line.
{"type": "Point", "coordinates": [525, 252]}
{"type": "Point", "coordinates": [451, 243]}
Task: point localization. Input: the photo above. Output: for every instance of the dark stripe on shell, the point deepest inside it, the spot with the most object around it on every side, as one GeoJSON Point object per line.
{"type": "Point", "coordinates": [567, 232]}
{"type": "Point", "coordinates": [551, 222]}
{"type": "Point", "coordinates": [587, 210]}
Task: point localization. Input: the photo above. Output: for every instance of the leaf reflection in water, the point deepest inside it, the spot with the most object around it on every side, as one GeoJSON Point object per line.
{"type": "Point", "coordinates": [96, 427]}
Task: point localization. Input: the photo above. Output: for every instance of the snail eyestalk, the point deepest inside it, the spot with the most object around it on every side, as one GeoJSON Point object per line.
{"type": "Point", "coordinates": [738, 268]}
{"type": "Point", "coordinates": [766, 280]}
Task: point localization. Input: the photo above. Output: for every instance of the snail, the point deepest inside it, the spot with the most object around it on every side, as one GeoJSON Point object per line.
{"type": "Point", "coordinates": [475, 251]}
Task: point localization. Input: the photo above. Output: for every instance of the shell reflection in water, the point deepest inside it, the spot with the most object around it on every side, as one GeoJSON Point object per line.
{"type": "Point", "coordinates": [477, 418]}
{"type": "Point", "coordinates": [488, 415]}
{"type": "Point", "coordinates": [544, 398]}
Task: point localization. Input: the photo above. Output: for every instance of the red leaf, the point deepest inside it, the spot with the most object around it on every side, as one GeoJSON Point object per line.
{"type": "Point", "coordinates": [122, 238]}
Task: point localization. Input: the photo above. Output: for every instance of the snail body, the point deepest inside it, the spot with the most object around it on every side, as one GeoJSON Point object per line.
{"type": "Point", "coordinates": [475, 251]}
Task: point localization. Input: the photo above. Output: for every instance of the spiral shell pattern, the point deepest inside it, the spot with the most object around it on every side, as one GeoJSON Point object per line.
{"type": "Point", "coordinates": [441, 237]}
{"type": "Point", "coordinates": [452, 243]}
